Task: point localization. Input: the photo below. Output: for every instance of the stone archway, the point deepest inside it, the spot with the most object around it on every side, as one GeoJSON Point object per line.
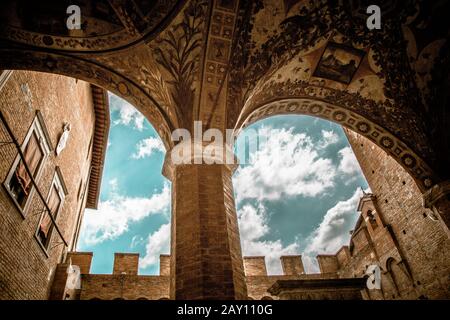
{"type": "Point", "coordinates": [217, 61]}
{"type": "Point", "coordinates": [405, 156]}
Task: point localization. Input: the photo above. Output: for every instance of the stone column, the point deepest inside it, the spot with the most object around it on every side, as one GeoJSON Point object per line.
{"type": "Point", "coordinates": [206, 258]}
{"type": "Point", "coordinates": [438, 199]}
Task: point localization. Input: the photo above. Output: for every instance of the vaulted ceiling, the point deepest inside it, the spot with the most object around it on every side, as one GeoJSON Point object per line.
{"type": "Point", "coordinates": [229, 63]}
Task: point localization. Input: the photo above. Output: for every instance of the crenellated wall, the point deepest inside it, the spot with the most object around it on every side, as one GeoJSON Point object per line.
{"type": "Point", "coordinates": [126, 283]}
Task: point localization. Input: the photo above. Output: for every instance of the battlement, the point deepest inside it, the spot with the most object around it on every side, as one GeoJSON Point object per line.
{"type": "Point", "coordinates": [292, 265]}
{"type": "Point", "coordinates": [256, 265]}
{"type": "Point", "coordinates": [328, 263]}
{"type": "Point", "coordinates": [124, 263]}
{"type": "Point", "coordinates": [81, 259]}
{"type": "Point", "coordinates": [164, 265]}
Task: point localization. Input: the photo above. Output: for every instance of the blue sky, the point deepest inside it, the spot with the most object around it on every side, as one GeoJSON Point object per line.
{"type": "Point", "coordinates": [298, 195]}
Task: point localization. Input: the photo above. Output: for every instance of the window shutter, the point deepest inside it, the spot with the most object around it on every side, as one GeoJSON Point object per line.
{"type": "Point", "coordinates": [53, 203]}
{"type": "Point", "coordinates": [33, 155]}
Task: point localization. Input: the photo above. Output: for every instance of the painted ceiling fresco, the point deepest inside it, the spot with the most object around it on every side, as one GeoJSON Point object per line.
{"type": "Point", "coordinates": [229, 63]}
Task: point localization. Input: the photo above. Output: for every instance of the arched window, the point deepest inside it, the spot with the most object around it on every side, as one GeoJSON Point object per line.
{"type": "Point", "coordinates": [371, 219]}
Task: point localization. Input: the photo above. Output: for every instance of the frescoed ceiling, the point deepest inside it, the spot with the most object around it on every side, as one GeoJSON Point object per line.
{"type": "Point", "coordinates": [229, 63]}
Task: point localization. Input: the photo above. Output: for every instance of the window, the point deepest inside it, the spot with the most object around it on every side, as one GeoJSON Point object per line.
{"type": "Point", "coordinates": [372, 220]}
{"type": "Point", "coordinates": [55, 201]}
{"type": "Point", "coordinates": [35, 149]}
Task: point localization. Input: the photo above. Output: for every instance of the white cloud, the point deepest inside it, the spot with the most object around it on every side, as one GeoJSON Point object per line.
{"type": "Point", "coordinates": [252, 222]}
{"type": "Point", "coordinates": [146, 147]}
{"type": "Point", "coordinates": [329, 138]}
{"type": "Point", "coordinates": [349, 164]}
{"type": "Point", "coordinates": [253, 225]}
{"type": "Point", "coordinates": [114, 184]}
{"type": "Point", "coordinates": [128, 115]}
{"type": "Point", "coordinates": [157, 243]}
{"type": "Point", "coordinates": [136, 241]}
{"type": "Point", "coordinates": [287, 164]}
{"type": "Point", "coordinates": [333, 231]}
{"type": "Point", "coordinates": [114, 216]}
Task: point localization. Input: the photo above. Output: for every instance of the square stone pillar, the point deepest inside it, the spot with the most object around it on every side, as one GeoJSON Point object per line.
{"type": "Point", "coordinates": [206, 258]}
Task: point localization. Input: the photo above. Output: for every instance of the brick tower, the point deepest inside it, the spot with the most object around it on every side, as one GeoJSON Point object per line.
{"type": "Point", "coordinates": [419, 234]}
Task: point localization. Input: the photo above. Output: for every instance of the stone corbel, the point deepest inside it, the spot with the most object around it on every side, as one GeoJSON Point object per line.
{"type": "Point", "coordinates": [437, 198]}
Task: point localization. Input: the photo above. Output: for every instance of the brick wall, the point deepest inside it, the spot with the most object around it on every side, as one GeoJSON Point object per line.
{"type": "Point", "coordinates": [422, 247]}
{"type": "Point", "coordinates": [132, 286]}
{"type": "Point", "coordinates": [25, 269]}
{"type": "Point", "coordinates": [127, 287]}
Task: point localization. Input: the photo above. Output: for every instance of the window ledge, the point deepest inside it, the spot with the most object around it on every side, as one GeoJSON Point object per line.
{"type": "Point", "coordinates": [41, 246]}
{"type": "Point", "coordinates": [11, 197]}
